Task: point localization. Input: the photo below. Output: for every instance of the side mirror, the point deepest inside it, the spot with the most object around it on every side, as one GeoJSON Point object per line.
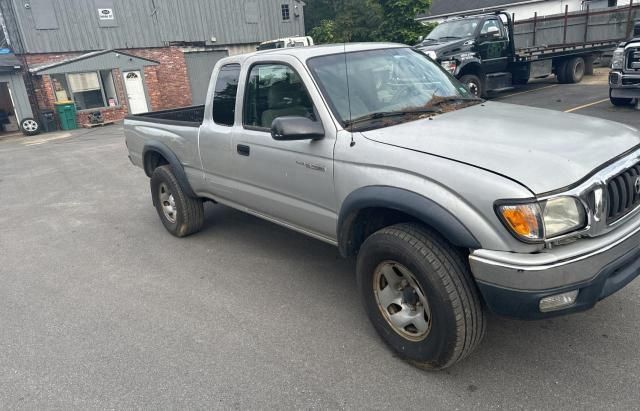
{"type": "Point", "coordinates": [290, 128]}
{"type": "Point", "coordinates": [491, 33]}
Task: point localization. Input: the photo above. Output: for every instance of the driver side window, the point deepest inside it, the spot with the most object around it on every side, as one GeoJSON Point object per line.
{"type": "Point", "coordinates": [275, 90]}
{"type": "Point", "coordinates": [491, 27]}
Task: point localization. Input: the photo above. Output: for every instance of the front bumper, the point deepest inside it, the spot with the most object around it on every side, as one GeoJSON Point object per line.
{"type": "Point", "coordinates": [513, 284]}
{"type": "Point", "coordinates": [624, 85]}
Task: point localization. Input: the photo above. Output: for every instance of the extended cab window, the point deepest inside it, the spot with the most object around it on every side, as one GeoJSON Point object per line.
{"type": "Point", "coordinates": [224, 98]}
{"type": "Point", "coordinates": [275, 90]}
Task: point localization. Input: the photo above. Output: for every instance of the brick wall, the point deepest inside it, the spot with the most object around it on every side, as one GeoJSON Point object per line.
{"type": "Point", "coordinates": [171, 86]}
{"type": "Point", "coordinates": [167, 84]}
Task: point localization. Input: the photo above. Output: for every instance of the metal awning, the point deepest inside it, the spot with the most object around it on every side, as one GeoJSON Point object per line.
{"type": "Point", "coordinates": [9, 62]}
{"type": "Point", "coordinates": [94, 61]}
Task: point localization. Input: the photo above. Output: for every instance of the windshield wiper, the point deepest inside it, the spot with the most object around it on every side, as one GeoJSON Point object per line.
{"type": "Point", "coordinates": [450, 37]}
{"type": "Point", "coordinates": [386, 114]}
{"type": "Point", "coordinates": [453, 99]}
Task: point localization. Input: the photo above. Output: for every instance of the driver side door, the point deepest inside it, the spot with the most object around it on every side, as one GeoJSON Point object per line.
{"type": "Point", "coordinates": [290, 182]}
{"type": "Point", "coordinates": [493, 46]}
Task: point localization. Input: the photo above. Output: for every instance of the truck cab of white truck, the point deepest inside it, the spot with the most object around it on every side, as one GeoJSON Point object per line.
{"type": "Point", "coordinates": [305, 41]}
{"type": "Point", "coordinates": [624, 78]}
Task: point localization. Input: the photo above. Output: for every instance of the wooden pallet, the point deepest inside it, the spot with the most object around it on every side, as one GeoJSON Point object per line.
{"type": "Point", "coordinates": [104, 123]}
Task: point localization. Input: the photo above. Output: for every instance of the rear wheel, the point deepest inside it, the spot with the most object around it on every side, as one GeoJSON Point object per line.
{"type": "Point", "coordinates": [474, 84]}
{"type": "Point", "coordinates": [561, 71]}
{"type": "Point", "coordinates": [575, 70]}
{"type": "Point", "coordinates": [180, 214]}
{"type": "Point", "coordinates": [420, 296]}
{"type": "Point", "coordinates": [618, 101]}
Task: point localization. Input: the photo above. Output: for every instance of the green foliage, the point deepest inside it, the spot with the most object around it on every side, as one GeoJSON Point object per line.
{"type": "Point", "coordinates": [325, 32]}
{"type": "Point", "coordinates": [330, 21]}
{"type": "Point", "coordinates": [399, 24]}
{"type": "Point", "coordinates": [318, 11]}
{"type": "Point", "coordinates": [343, 20]}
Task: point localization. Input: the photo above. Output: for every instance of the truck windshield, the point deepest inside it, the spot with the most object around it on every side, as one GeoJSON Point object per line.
{"type": "Point", "coordinates": [451, 30]}
{"type": "Point", "coordinates": [377, 88]}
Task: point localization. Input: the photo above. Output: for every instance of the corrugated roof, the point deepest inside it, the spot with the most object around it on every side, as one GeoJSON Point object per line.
{"type": "Point", "coordinates": [448, 7]}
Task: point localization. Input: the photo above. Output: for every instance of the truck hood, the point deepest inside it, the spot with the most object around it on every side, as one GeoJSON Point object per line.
{"type": "Point", "coordinates": [447, 47]}
{"type": "Point", "coordinates": [543, 150]}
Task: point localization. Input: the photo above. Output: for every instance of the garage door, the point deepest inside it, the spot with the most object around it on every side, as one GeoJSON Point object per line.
{"type": "Point", "coordinates": [200, 66]}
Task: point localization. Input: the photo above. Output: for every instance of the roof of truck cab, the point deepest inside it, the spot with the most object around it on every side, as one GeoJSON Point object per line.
{"type": "Point", "coordinates": [305, 53]}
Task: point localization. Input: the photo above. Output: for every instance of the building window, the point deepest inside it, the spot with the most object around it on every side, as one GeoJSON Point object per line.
{"type": "Point", "coordinates": [91, 90]}
{"type": "Point", "coordinates": [613, 3]}
{"type": "Point", "coordinates": [224, 98]}
{"type": "Point", "coordinates": [285, 12]}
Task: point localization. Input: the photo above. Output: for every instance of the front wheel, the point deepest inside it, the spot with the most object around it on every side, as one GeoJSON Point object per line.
{"type": "Point", "coordinates": [180, 214]}
{"type": "Point", "coordinates": [420, 296]}
{"type": "Point", "coordinates": [473, 84]}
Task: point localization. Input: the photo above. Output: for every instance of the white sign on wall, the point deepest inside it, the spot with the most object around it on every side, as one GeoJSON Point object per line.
{"type": "Point", "coordinates": [105, 14]}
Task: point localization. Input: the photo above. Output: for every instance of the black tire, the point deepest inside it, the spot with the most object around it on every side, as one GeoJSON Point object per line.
{"type": "Point", "coordinates": [474, 84]}
{"type": "Point", "coordinates": [561, 72]}
{"type": "Point", "coordinates": [30, 126]}
{"type": "Point", "coordinates": [575, 70]}
{"type": "Point", "coordinates": [188, 212]}
{"type": "Point", "coordinates": [620, 101]}
{"type": "Point", "coordinates": [457, 322]}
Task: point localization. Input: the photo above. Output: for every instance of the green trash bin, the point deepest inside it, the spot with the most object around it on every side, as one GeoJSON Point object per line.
{"type": "Point", "coordinates": [67, 115]}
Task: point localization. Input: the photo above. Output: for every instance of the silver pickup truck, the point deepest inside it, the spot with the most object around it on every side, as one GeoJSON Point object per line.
{"type": "Point", "coordinates": [452, 205]}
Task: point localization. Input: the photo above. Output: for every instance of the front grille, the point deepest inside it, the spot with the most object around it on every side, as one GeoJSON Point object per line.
{"type": "Point", "coordinates": [633, 59]}
{"type": "Point", "coordinates": [627, 81]}
{"type": "Point", "coordinates": [623, 191]}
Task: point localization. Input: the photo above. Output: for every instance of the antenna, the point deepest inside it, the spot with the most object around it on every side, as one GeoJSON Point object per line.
{"type": "Point", "coordinates": [346, 73]}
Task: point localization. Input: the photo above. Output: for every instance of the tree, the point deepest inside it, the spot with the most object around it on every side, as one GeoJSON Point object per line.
{"type": "Point", "coordinates": [365, 20]}
{"type": "Point", "coordinates": [325, 32]}
{"type": "Point", "coordinates": [399, 24]}
{"type": "Point", "coordinates": [318, 11]}
{"type": "Point", "coordinates": [344, 20]}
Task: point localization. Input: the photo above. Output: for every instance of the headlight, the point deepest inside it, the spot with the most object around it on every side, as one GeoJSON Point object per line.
{"type": "Point", "coordinates": [562, 215]}
{"type": "Point", "coordinates": [617, 62]}
{"type": "Point", "coordinates": [537, 221]}
{"type": "Point", "coordinates": [449, 65]}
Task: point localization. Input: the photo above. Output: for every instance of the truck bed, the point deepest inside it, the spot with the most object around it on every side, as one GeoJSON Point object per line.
{"type": "Point", "coordinates": [184, 116]}
{"type": "Point", "coordinates": [572, 32]}
{"type": "Point", "coordinates": [561, 50]}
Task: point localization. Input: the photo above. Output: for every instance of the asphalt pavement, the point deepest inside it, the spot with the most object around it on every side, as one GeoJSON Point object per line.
{"type": "Point", "coordinates": [101, 308]}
